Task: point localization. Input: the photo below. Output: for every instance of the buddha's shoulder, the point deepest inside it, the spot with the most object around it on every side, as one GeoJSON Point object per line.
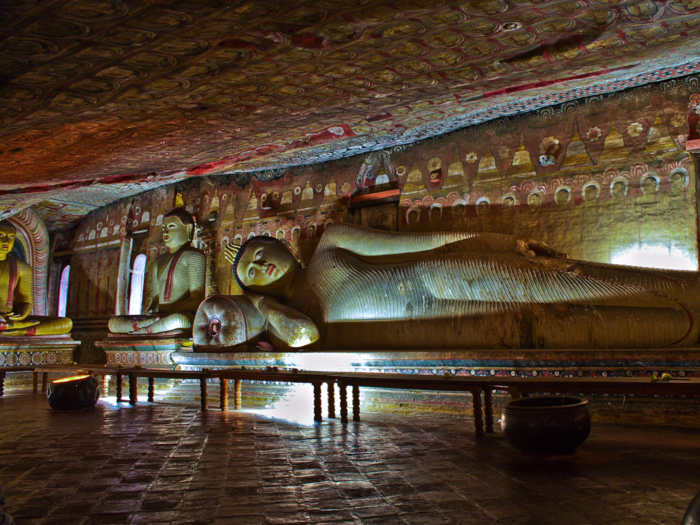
{"type": "Point", "coordinates": [187, 255]}
{"type": "Point", "coordinates": [21, 265]}
{"type": "Point", "coordinates": [192, 255]}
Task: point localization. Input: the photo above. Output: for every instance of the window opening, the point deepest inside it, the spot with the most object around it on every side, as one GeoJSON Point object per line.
{"type": "Point", "coordinates": [137, 279]}
{"type": "Point", "coordinates": [63, 291]}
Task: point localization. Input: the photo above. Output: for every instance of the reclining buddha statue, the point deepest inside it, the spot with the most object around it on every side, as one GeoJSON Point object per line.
{"type": "Point", "coordinates": [376, 290]}
{"type": "Point", "coordinates": [177, 278]}
{"type": "Point", "coordinates": [17, 295]}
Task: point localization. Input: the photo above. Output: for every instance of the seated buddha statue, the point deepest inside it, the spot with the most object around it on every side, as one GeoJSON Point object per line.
{"type": "Point", "coordinates": [377, 290]}
{"type": "Point", "coordinates": [17, 294]}
{"type": "Point", "coordinates": [177, 278]}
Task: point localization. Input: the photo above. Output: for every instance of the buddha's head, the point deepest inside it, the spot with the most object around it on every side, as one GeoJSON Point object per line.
{"type": "Point", "coordinates": [534, 200]}
{"type": "Point", "coordinates": [8, 234]}
{"type": "Point", "coordinates": [590, 193]}
{"type": "Point", "coordinates": [649, 185]}
{"type": "Point", "coordinates": [619, 189]}
{"type": "Point", "coordinates": [562, 197]}
{"type": "Point", "coordinates": [178, 229]}
{"type": "Point", "coordinates": [265, 265]}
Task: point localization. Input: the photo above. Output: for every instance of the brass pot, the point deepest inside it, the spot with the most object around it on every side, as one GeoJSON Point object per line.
{"type": "Point", "coordinates": [73, 393]}
{"type": "Point", "coordinates": [546, 425]}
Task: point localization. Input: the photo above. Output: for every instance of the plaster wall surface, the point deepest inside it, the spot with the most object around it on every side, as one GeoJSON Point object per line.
{"type": "Point", "coordinates": [603, 179]}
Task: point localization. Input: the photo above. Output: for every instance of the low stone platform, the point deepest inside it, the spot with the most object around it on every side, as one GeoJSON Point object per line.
{"type": "Point", "coordinates": [37, 350]}
{"type": "Point", "coordinates": [160, 463]}
{"type": "Point", "coordinates": [149, 351]}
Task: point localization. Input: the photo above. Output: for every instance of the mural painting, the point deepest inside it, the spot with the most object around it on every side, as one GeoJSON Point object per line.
{"type": "Point", "coordinates": [604, 179]}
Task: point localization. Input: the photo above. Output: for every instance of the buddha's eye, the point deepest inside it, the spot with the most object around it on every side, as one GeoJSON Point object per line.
{"type": "Point", "coordinates": [251, 273]}
{"type": "Point", "coordinates": [258, 255]}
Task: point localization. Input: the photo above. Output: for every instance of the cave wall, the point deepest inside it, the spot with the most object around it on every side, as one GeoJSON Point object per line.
{"type": "Point", "coordinates": [600, 179]}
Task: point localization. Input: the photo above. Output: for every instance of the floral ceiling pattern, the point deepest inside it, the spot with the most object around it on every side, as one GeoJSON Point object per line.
{"type": "Point", "coordinates": [107, 97]}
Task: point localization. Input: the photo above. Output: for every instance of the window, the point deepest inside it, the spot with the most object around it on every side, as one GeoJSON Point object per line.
{"type": "Point", "coordinates": [137, 279]}
{"type": "Point", "coordinates": [63, 291]}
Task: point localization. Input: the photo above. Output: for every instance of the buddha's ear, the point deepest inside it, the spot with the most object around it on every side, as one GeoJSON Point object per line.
{"type": "Point", "coordinates": [190, 232]}
{"type": "Point", "coordinates": [291, 249]}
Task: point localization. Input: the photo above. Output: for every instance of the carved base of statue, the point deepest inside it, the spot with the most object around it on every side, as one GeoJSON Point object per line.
{"type": "Point", "coordinates": [151, 351]}
{"type": "Point", "coordinates": [33, 351]}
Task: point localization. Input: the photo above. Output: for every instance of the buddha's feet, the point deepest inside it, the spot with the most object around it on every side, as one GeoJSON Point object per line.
{"type": "Point", "coordinates": [37, 325]}
{"type": "Point", "coordinates": [143, 325]}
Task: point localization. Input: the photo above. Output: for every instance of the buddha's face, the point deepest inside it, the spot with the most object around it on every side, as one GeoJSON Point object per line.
{"type": "Point", "coordinates": [7, 241]}
{"type": "Point", "coordinates": [264, 265]}
{"type": "Point", "coordinates": [175, 234]}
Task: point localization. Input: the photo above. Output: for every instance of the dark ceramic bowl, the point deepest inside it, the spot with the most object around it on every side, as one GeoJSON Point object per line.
{"type": "Point", "coordinates": [73, 393]}
{"type": "Point", "coordinates": [546, 425]}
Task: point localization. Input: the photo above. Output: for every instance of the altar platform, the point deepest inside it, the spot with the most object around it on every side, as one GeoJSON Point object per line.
{"type": "Point", "coordinates": [153, 350]}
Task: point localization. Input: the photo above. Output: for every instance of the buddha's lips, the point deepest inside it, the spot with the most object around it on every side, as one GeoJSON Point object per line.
{"type": "Point", "coordinates": [270, 269]}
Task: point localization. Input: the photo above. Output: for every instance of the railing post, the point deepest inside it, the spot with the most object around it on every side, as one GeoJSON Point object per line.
{"type": "Point", "coordinates": [488, 409]}
{"type": "Point", "coordinates": [105, 385]}
{"type": "Point", "coordinates": [318, 415]}
{"type": "Point", "coordinates": [223, 393]}
{"type": "Point", "coordinates": [355, 403]}
{"type": "Point", "coordinates": [35, 381]}
{"type": "Point", "coordinates": [331, 399]}
{"type": "Point", "coordinates": [133, 389]}
{"type": "Point", "coordinates": [2, 383]}
{"type": "Point", "coordinates": [44, 381]}
{"type": "Point", "coordinates": [237, 394]}
{"type": "Point", "coordinates": [119, 387]}
{"type": "Point", "coordinates": [203, 392]}
{"type": "Point", "coordinates": [151, 389]}
{"type": "Point", "coordinates": [478, 416]}
{"type": "Point", "coordinates": [343, 391]}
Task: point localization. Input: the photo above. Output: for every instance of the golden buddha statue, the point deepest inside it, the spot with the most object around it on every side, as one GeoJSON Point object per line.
{"type": "Point", "coordinates": [377, 290]}
{"type": "Point", "coordinates": [17, 294]}
{"type": "Point", "coordinates": [178, 283]}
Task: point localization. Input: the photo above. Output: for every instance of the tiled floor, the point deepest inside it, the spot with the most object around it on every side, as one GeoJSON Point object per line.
{"type": "Point", "coordinates": [159, 463]}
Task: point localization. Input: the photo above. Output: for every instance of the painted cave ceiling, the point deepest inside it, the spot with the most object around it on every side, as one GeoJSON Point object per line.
{"type": "Point", "coordinates": [101, 99]}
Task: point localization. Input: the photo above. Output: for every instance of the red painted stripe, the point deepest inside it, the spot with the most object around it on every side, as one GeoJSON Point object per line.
{"type": "Point", "coordinates": [542, 83]}
{"type": "Point", "coordinates": [13, 281]}
{"type": "Point", "coordinates": [169, 282]}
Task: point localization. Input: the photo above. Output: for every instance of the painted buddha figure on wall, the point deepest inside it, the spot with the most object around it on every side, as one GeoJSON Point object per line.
{"type": "Point", "coordinates": [177, 278]}
{"type": "Point", "coordinates": [376, 290]}
{"type": "Point", "coordinates": [17, 295]}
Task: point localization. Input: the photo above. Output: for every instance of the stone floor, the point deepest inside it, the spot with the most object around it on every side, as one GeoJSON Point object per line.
{"type": "Point", "coordinates": [169, 463]}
